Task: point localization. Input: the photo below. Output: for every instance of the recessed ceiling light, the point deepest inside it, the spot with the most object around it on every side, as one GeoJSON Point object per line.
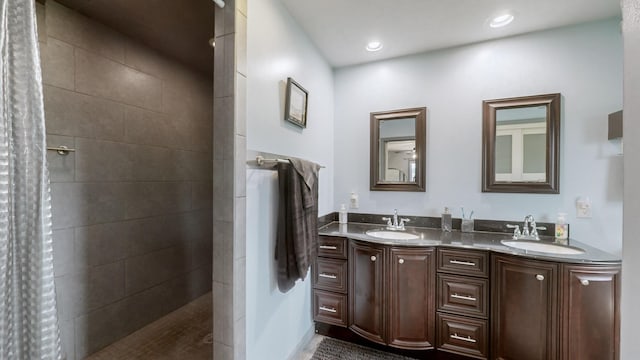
{"type": "Point", "coordinates": [501, 20]}
{"type": "Point", "coordinates": [374, 46]}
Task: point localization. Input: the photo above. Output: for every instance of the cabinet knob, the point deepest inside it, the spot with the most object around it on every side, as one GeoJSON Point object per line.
{"type": "Point", "coordinates": [373, 258]}
{"type": "Point", "coordinates": [540, 277]}
{"type": "Point", "coordinates": [584, 282]}
{"type": "Point", "coordinates": [401, 261]}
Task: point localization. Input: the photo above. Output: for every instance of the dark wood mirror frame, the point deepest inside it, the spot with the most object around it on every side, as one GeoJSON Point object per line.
{"type": "Point", "coordinates": [552, 183]}
{"type": "Point", "coordinates": [420, 115]}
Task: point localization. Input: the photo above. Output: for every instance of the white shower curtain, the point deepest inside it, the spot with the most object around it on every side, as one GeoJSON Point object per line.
{"type": "Point", "coordinates": [28, 318]}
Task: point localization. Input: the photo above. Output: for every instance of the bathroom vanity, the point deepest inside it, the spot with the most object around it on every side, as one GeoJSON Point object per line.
{"type": "Point", "coordinates": [467, 294]}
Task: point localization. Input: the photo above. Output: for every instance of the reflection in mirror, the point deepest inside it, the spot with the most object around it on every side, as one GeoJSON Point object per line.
{"type": "Point", "coordinates": [398, 150]}
{"type": "Point", "coordinates": [521, 144]}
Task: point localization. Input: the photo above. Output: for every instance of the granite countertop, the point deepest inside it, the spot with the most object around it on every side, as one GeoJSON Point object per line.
{"type": "Point", "coordinates": [474, 240]}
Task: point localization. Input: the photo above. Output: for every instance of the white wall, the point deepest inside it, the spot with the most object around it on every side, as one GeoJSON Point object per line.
{"type": "Point", "coordinates": [630, 314]}
{"type": "Point", "coordinates": [277, 48]}
{"type": "Point", "coordinates": [583, 63]}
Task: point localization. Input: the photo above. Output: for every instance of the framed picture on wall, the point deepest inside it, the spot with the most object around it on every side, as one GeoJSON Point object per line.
{"type": "Point", "coordinates": [295, 107]}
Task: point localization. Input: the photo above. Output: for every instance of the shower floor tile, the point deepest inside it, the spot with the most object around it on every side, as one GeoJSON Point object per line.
{"type": "Point", "coordinates": [182, 334]}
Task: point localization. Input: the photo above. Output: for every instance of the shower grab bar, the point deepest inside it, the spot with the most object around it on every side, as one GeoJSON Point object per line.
{"type": "Point", "coordinates": [61, 150]}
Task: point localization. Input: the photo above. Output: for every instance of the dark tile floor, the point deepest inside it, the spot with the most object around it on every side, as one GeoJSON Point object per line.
{"type": "Point", "coordinates": [182, 334]}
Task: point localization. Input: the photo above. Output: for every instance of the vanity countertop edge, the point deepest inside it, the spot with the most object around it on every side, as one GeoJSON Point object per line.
{"type": "Point", "coordinates": [478, 240]}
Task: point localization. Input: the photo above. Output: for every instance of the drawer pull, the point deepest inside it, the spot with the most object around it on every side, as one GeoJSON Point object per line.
{"type": "Point", "coordinates": [328, 276]}
{"type": "Point", "coordinates": [540, 277]}
{"type": "Point", "coordinates": [328, 247]}
{"type": "Point", "coordinates": [401, 261]}
{"type": "Point", "coordinates": [463, 297]}
{"type": "Point", "coordinates": [467, 339]}
{"type": "Point", "coordinates": [328, 309]}
{"type": "Point", "coordinates": [584, 282]}
{"type": "Point", "coordinates": [373, 258]}
{"type": "Point", "coordinates": [458, 262]}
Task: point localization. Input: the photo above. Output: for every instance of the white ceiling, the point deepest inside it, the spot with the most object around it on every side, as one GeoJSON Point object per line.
{"type": "Point", "coordinates": [342, 28]}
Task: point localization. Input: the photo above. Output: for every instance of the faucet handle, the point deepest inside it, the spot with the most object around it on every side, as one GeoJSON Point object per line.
{"type": "Point", "coordinates": [403, 221]}
{"type": "Point", "coordinates": [516, 230]}
{"type": "Point", "coordinates": [388, 220]}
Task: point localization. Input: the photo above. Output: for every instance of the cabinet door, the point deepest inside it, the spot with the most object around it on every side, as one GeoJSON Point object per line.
{"type": "Point", "coordinates": [411, 298]}
{"type": "Point", "coordinates": [366, 291]}
{"type": "Point", "coordinates": [524, 325]}
{"type": "Point", "coordinates": [590, 313]}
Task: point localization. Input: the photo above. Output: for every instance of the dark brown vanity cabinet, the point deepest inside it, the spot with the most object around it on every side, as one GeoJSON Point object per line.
{"type": "Point", "coordinates": [411, 298]}
{"type": "Point", "coordinates": [463, 302]}
{"type": "Point", "coordinates": [546, 310]}
{"type": "Point", "coordinates": [391, 295]}
{"type": "Point", "coordinates": [590, 312]}
{"type": "Point", "coordinates": [366, 302]}
{"type": "Point", "coordinates": [330, 276]}
{"type": "Point", "coordinates": [525, 309]}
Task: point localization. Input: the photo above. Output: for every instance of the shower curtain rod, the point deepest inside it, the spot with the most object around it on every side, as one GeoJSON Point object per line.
{"type": "Point", "coordinates": [220, 3]}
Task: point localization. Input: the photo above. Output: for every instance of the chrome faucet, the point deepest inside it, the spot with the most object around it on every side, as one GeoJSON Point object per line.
{"type": "Point", "coordinates": [392, 224]}
{"type": "Point", "coordinates": [526, 234]}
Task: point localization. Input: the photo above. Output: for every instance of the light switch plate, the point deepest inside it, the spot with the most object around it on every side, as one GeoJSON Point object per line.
{"type": "Point", "coordinates": [583, 208]}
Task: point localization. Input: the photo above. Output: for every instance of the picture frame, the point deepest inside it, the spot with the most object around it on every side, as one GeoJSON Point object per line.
{"type": "Point", "coordinates": [296, 99]}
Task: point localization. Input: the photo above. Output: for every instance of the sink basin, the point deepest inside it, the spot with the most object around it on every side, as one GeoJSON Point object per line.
{"type": "Point", "coordinates": [392, 235]}
{"type": "Point", "coordinates": [542, 247]}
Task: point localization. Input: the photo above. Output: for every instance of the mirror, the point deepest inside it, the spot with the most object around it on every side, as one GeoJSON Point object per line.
{"type": "Point", "coordinates": [398, 150]}
{"type": "Point", "coordinates": [521, 144]}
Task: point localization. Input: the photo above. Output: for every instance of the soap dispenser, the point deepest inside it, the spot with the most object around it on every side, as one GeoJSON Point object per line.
{"type": "Point", "coordinates": [446, 220]}
{"type": "Point", "coordinates": [342, 214]}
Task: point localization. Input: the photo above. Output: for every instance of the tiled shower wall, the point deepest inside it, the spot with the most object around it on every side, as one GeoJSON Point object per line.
{"type": "Point", "coordinates": [132, 207]}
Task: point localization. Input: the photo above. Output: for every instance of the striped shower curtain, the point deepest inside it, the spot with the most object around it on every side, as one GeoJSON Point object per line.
{"type": "Point", "coordinates": [28, 318]}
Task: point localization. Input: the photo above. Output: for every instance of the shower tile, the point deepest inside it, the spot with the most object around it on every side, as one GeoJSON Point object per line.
{"type": "Point", "coordinates": [147, 60]}
{"type": "Point", "coordinates": [100, 328]}
{"type": "Point", "coordinates": [102, 243]}
{"type": "Point", "coordinates": [229, 71]}
{"type": "Point", "coordinates": [71, 295]}
{"type": "Point", "coordinates": [218, 67]}
{"type": "Point", "coordinates": [223, 128]}
{"type": "Point", "coordinates": [62, 168]}
{"type": "Point", "coordinates": [241, 5]}
{"type": "Point", "coordinates": [67, 338]}
{"type": "Point", "coordinates": [143, 307]}
{"type": "Point", "coordinates": [241, 41]}
{"type": "Point", "coordinates": [155, 233]}
{"type": "Point", "coordinates": [145, 271]}
{"type": "Point", "coordinates": [68, 25]}
{"type": "Point", "coordinates": [64, 259]}
{"type": "Point", "coordinates": [41, 14]}
{"type": "Point", "coordinates": [105, 284]}
{"type": "Point", "coordinates": [223, 191]}
{"type": "Point", "coordinates": [149, 163]}
{"type": "Point", "coordinates": [222, 351]}
{"type": "Point", "coordinates": [240, 339]}
{"type": "Point", "coordinates": [57, 64]}
{"type": "Point", "coordinates": [201, 195]}
{"type": "Point", "coordinates": [79, 204]}
{"type": "Point", "coordinates": [222, 314]}
{"type": "Point", "coordinates": [105, 78]}
{"type": "Point", "coordinates": [72, 114]}
{"type": "Point", "coordinates": [98, 160]}
{"type": "Point", "coordinates": [202, 133]}
{"type": "Point", "coordinates": [144, 199]}
{"type": "Point", "coordinates": [240, 228]}
{"type": "Point", "coordinates": [199, 234]}
{"type": "Point", "coordinates": [241, 105]}
{"type": "Point", "coordinates": [153, 128]}
{"type": "Point", "coordinates": [239, 289]}
{"type": "Point", "coordinates": [240, 167]}
{"type": "Point", "coordinates": [223, 252]}
{"type": "Point", "coordinates": [225, 19]}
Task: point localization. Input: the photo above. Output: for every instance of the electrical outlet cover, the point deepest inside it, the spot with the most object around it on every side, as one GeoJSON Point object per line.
{"type": "Point", "coordinates": [583, 208]}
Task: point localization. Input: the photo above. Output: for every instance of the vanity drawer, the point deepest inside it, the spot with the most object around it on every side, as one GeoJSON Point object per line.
{"type": "Point", "coordinates": [463, 295]}
{"type": "Point", "coordinates": [330, 246]}
{"type": "Point", "coordinates": [330, 274]}
{"type": "Point", "coordinates": [330, 308]}
{"type": "Point", "coordinates": [463, 262]}
{"type": "Point", "coordinates": [463, 336]}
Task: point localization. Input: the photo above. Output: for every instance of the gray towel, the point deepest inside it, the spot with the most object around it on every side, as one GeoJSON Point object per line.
{"type": "Point", "coordinates": [297, 233]}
